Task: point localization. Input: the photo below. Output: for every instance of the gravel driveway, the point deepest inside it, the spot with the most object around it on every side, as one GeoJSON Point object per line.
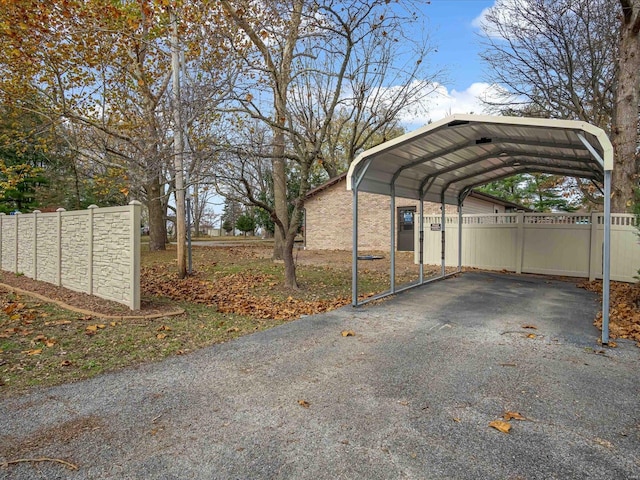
{"type": "Point", "coordinates": [411, 395]}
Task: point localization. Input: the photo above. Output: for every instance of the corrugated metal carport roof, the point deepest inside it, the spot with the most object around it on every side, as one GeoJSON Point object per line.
{"type": "Point", "coordinates": [453, 155]}
{"type": "Point", "coordinates": [443, 161]}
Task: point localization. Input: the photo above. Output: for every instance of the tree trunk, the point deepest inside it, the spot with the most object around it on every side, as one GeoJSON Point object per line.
{"type": "Point", "coordinates": [290, 280]}
{"type": "Point", "coordinates": [625, 128]}
{"type": "Point", "coordinates": [280, 200]}
{"type": "Point", "coordinates": [181, 224]}
{"type": "Point", "coordinates": [157, 226]}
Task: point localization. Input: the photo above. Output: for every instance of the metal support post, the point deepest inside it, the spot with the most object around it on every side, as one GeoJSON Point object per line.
{"type": "Point", "coordinates": [442, 234]}
{"type": "Point", "coordinates": [354, 252]}
{"type": "Point", "coordinates": [421, 239]}
{"type": "Point", "coordinates": [190, 262]}
{"type": "Point", "coordinates": [606, 257]}
{"type": "Point", "coordinates": [392, 253]}
{"type": "Point", "coordinates": [459, 236]}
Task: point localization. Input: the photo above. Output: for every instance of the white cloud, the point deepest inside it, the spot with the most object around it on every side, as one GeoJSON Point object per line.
{"type": "Point", "coordinates": [479, 21]}
{"type": "Point", "coordinates": [443, 103]}
{"type": "Point", "coordinates": [510, 15]}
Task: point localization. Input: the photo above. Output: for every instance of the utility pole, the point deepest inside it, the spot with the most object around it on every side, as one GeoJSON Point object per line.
{"type": "Point", "coordinates": [178, 149]}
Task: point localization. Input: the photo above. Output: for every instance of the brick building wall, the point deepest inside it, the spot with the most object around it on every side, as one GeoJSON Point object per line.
{"type": "Point", "coordinates": [328, 221]}
{"type": "Point", "coordinates": [328, 224]}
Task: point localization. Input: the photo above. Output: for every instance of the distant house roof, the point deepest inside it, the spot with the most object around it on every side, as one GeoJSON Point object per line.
{"type": "Point", "coordinates": [474, 193]}
{"type": "Point", "coordinates": [327, 184]}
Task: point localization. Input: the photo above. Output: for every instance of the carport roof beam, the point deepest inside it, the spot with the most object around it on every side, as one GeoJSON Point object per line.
{"type": "Point", "coordinates": [429, 163]}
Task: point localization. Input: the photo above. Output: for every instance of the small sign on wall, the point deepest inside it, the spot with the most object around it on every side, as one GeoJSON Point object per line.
{"type": "Point", "coordinates": [436, 227]}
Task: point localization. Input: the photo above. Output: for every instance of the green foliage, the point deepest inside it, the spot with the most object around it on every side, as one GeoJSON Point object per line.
{"type": "Point", "coordinates": [246, 223]}
{"type": "Point", "coordinates": [540, 192]}
{"type": "Point", "coordinates": [232, 211]}
{"type": "Point", "coordinates": [227, 226]}
{"type": "Point", "coordinates": [22, 155]}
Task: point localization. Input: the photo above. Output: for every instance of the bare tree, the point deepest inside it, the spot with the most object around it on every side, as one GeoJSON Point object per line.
{"type": "Point", "coordinates": [572, 59]}
{"type": "Point", "coordinates": [555, 56]}
{"type": "Point", "coordinates": [319, 61]}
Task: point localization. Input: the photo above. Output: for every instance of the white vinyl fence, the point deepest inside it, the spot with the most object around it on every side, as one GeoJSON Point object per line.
{"type": "Point", "coordinates": [553, 244]}
{"type": "Point", "coordinates": [95, 251]}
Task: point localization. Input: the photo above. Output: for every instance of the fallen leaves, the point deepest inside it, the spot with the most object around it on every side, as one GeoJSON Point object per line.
{"type": "Point", "coordinates": [348, 333]}
{"type": "Point", "coordinates": [304, 403]}
{"type": "Point", "coordinates": [624, 314]}
{"type": "Point", "coordinates": [532, 327]}
{"type": "Point", "coordinates": [501, 426]}
{"type": "Point", "coordinates": [34, 351]}
{"type": "Point", "coordinates": [512, 415]}
{"type": "Point", "coordinates": [232, 293]}
{"type": "Point", "coordinates": [92, 329]}
{"type": "Point", "coordinates": [57, 322]}
{"type": "Point", "coordinates": [532, 335]}
{"type": "Point", "coordinates": [11, 307]}
{"type": "Point", "coordinates": [163, 328]}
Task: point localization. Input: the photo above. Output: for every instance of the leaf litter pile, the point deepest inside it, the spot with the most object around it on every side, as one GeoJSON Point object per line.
{"type": "Point", "coordinates": [237, 293]}
{"type": "Point", "coordinates": [624, 314]}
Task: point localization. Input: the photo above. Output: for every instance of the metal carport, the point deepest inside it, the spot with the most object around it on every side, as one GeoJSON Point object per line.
{"type": "Point", "coordinates": [442, 162]}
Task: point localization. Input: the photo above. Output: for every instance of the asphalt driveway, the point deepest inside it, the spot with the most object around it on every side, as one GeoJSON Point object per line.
{"type": "Point", "coordinates": [410, 396]}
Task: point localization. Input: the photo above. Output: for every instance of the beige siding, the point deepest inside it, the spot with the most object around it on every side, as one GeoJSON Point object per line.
{"type": "Point", "coordinates": [475, 205]}
{"type": "Point", "coordinates": [553, 244]}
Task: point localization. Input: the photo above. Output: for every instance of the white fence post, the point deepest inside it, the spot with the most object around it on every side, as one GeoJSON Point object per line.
{"type": "Point", "coordinates": [59, 248]}
{"type": "Point", "coordinates": [35, 244]}
{"type": "Point", "coordinates": [595, 251]}
{"type": "Point", "coordinates": [520, 241]}
{"type": "Point", "coordinates": [90, 249]}
{"type": "Point", "coordinates": [135, 210]}
{"type": "Point", "coordinates": [15, 268]}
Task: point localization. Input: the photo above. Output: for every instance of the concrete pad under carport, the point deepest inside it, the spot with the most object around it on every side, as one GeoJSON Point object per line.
{"type": "Point", "coordinates": [410, 396]}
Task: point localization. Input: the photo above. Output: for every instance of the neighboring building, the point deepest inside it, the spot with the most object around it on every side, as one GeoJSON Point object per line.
{"type": "Point", "coordinates": [328, 217]}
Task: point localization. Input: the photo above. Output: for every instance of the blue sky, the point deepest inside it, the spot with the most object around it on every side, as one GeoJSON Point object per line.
{"type": "Point", "coordinates": [454, 29]}
{"type": "Point", "coordinates": [452, 23]}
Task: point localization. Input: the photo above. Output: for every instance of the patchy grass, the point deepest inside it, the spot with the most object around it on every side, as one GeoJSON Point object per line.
{"type": "Point", "coordinates": [234, 291]}
{"type": "Point", "coordinates": [45, 345]}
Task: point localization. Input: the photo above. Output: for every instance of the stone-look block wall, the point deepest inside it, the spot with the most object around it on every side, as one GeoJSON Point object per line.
{"type": "Point", "coordinates": [75, 251]}
{"type": "Point", "coordinates": [47, 248]}
{"type": "Point", "coordinates": [9, 244]}
{"type": "Point", "coordinates": [115, 264]}
{"type": "Point", "coordinates": [26, 234]}
{"type": "Point", "coordinates": [95, 251]}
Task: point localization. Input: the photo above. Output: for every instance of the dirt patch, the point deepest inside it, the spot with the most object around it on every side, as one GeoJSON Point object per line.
{"type": "Point", "coordinates": [40, 440]}
{"type": "Point", "coordinates": [85, 301]}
